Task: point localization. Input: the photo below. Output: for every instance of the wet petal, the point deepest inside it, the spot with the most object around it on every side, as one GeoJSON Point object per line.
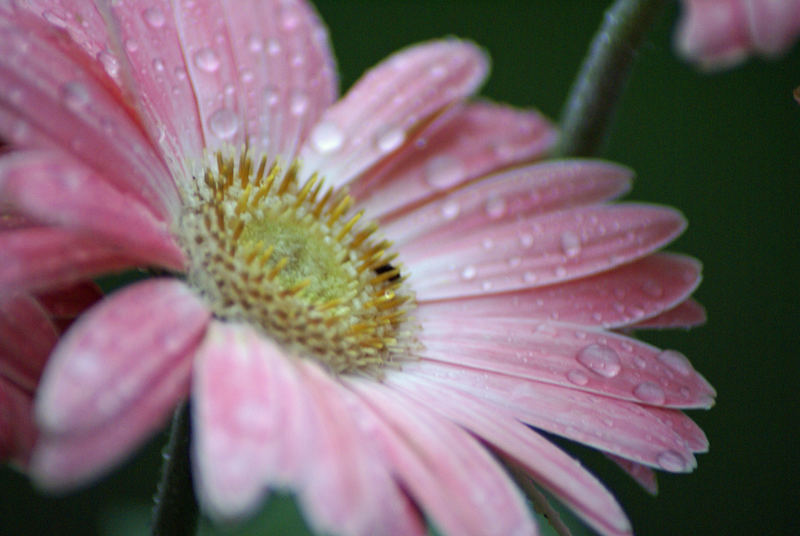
{"type": "Point", "coordinates": [382, 110]}
{"type": "Point", "coordinates": [478, 139]}
{"type": "Point", "coordinates": [263, 420]}
{"type": "Point", "coordinates": [113, 355]}
{"type": "Point", "coordinates": [644, 434]}
{"type": "Point", "coordinates": [572, 356]}
{"type": "Point", "coordinates": [685, 315]}
{"type": "Point", "coordinates": [534, 189]}
{"type": "Point", "coordinates": [62, 461]}
{"type": "Point", "coordinates": [52, 188]}
{"type": "Point", "coordinates": [41, 258]}
{"type": "Point", "coordinates": [114, 379]}
{"type": "Point", "coordinates": [57, 96]}
{"type": "Point", "coordinates": [627, 295]}
{"type": "Point", "coordinates": [551, 248]}
{"type": "Point", "coordinates": [453, 479]}
{"type": "Point", "coordinates": [549, 465]}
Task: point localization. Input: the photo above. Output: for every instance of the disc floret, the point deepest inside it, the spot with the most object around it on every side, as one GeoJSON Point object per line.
{"type": "Point", "coordinates": [284, 255]}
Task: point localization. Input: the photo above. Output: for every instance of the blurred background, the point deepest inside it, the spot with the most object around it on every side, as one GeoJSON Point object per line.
{"type": "Point", "coordinates": [724, 148]}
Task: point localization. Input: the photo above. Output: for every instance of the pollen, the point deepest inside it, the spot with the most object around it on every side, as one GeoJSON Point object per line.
{"type": "Point", "coordinates": [290, 258]}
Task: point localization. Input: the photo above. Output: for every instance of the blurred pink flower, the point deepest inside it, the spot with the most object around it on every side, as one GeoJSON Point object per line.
{"type": "Point", "coordinates": [29, 329]}
{"type": "Point", "coordinates": [195, 137]}
{"type": "Point", "coordinates": [721, 33]}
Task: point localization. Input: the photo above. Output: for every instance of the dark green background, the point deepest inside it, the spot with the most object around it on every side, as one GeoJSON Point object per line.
{"type": "Point", "coordinates": [723, 148]}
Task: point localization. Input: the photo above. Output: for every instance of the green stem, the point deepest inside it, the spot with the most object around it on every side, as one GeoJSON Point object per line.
{"type": "Point", "coordinates": [589, 110]}
{"type": "Point", "coordinates": [175, 512]}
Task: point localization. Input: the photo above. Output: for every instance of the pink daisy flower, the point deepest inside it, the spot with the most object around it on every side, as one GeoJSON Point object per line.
{"type": "Point", "coordinates": [721, 33]}
{"type": "Point", "coordinates": [372, 368]}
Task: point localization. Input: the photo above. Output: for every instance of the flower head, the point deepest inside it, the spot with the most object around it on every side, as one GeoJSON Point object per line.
{"type": "Point", "coordinates": [721, 33]}
{"type": "Point", "coordinates": [369, 367]}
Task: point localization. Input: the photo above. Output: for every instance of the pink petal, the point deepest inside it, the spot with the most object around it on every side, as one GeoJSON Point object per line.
{"type": "Point", "coordinates": [478, 139]}
{"type": "Point", "coordinates": [534, 189]}
{"type": "Point", "coordinates": [349, 490]}
{"type": "Point", "coordinates": [264, 420]}
{"type": "Point", "coordinates": [549, 465]}
{"type": "Point", "coordinates": [243, 401]}
{"type": "Point", "coordinates": [68, 302]}
{"type": "Point", "coordinates": [26, 338]}
{"type": "Point", "coordinates": [450, 475]}
{"type": "Point", "coordinates": [563, 354]}
{"type": "Point", "coordinates": [17, 430]}
{"type": "Point", "coordinates": [643, 475]}
{"type": "Point", "coordinates": [116, 352]}
{"type": "Point", "coordinates": [720, 33]}
{"type": "Point", "coordinates": [685, 315]}
{"type": "Point", "coordinates": [40, 258]}
{"type": "Point", "coordinates": [536, 251]}
{"type": "Point", "coordinates": [774, 26]}
{"type": "Point", "coordinates": [381, 111]}
{"type": "Point", "coordinates": [81, 20]}
{"type": "Point", "coordinates": [52, 188]}
{"type": "Point", "coordinates": [67, 460]}
{"type": "Point", "coordinates": [66, 100]}
{"type": "Point", "coordinates": [145, 49]}
{"type": "Point", "coordinates": [620, 297]}
{"type": "Point", "coordinates": [661, 438]}
{"type": "Point", "coordinates": [287, 76]}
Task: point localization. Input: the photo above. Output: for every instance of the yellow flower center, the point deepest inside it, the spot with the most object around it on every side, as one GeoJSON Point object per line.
{"type": "Point", "coordinates": [284, 257]}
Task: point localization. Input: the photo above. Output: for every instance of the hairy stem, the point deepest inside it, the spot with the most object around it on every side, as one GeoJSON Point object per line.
{"type": "Point", "coordinates": [175, 512]}
{"type": "Point", "coordinates": [589, 109]}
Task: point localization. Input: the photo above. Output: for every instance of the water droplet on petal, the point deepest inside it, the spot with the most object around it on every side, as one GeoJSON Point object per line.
{"type": "Point", "coordinates": [158, 65]}
{"type": "Point", "coordinates": [669, 460]}
{"type": "Point", "coordinates": [652, 288]}
{"type": "Point", "coordinates": [299, 103]}
{"type": "Point", "coordinates": [110, 63]}
{"type": "Point", "coordinates": [153, 17]}
{"type": "Point", "coordinates": [390, 139]}
{"type": "Point", "coordinates": [450, 210]}
{"type": "Point", "coordinates": [526, 239]}
{"type": "Point", "coordinates": [273, 47]}
{"type": "Point", "coordinates": [600, 359]}
{"type": "Point", "coordinates": [206, 60]}
{"type": "Point", "coordinates": [561, 272]}
{"type": "Point", "coordinates": [513, 262]}
{"type": "Point", "coordinates": [442, 172]}
{"type": "Point", "coordinates": [577, 377]}
{"type": "Point", "coordinates": [326, 137]}
{"type": "Point", "coordinates": [650, 393]}
{"type": "Point", "coordinates": [676, 361]}
{"type": "Point", "coordinates": [54, 19]}
{"type": "Point", "coordinates": [75, 95]}
{"type": "Point", "coordinates": [254, 43]}
{"type": "Point", "coordinates": [468, 273]}
{"type": "Point", "coordinates": [495, 207]}
{"type": "Point", "coordinates": [570, 244]}
{"type": "Point", "coordinates": [529, 277]}
{"type": "Point", "coordinates": [271, 96]}
{"type": "Point", "coordinates": [131, 45]}
{"type": "Point", "coordinates": [223, 123]}
{"type": "Point", "coordinates": [487, 243]}
{"type": "Point", "coordinates": [438, 71]}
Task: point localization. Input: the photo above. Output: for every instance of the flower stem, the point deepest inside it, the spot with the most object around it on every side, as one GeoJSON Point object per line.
{"type": "Point", "coordinates": [175, 512]}
{"type": "Point", "coordinates": [589, 110]}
